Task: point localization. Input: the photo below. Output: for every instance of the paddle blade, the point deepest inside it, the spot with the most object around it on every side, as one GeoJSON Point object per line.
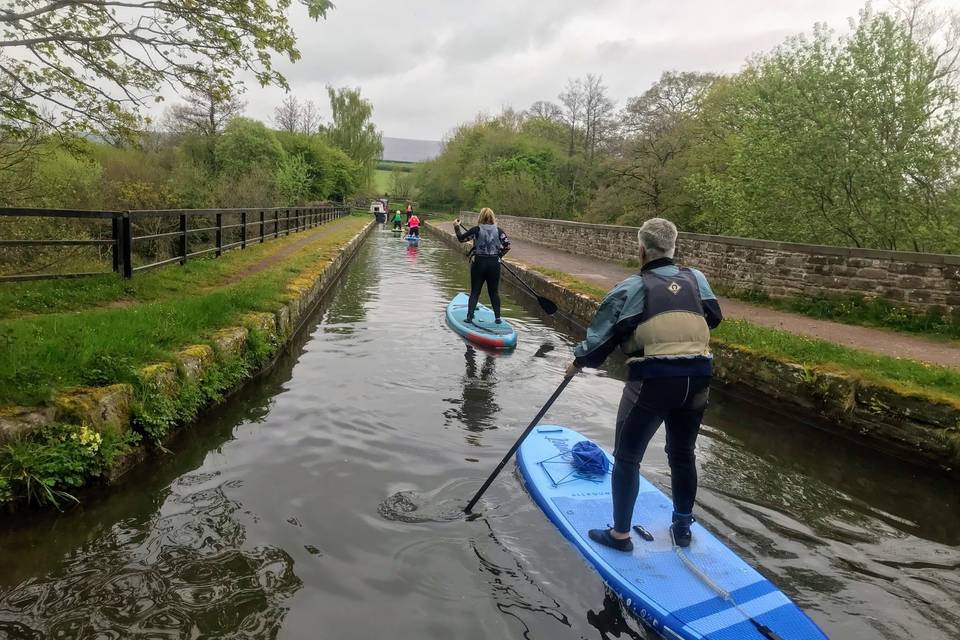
{"type": "Point", "coordinates": [549, 306]}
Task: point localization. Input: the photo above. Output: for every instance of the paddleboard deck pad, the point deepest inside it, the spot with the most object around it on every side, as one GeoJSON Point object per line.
{"type": "Point", "coordinates": [483, 330]}
{"type": "Point", "coordinates": [655, 582]}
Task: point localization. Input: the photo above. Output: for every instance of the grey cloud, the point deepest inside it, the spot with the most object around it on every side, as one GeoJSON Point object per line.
{"type": "Point", "coordinates": [428, 65]}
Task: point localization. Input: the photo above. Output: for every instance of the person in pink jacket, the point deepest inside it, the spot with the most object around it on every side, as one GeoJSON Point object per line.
{"type": "Point", "coordinates": [414, 225]}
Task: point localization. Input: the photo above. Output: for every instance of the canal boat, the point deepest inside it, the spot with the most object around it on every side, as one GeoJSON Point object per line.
{"type": "Point", "coordinates": [702, 592]}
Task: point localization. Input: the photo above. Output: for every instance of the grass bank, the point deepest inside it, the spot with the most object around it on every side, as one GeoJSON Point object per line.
{"type": "Point", "coordinates": [904, 375]}
{"type": "Point", "coordinates": [58, 334]}
{"type": "Point", "coordinates": [862, 312]}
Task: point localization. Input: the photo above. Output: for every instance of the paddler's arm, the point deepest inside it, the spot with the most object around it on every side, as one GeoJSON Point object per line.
{"type": "Point", "coordinates": [504, 243]}
{"type": "Point", "coordinates": [466, 235]}
{"type": "Point", "coordinates": [605, 331]}
{"type": "Point", "coordinates": [708, 301]}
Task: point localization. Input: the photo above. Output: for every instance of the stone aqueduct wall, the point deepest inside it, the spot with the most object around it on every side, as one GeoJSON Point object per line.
{"type": "Point", "coordinates": [917, 280]}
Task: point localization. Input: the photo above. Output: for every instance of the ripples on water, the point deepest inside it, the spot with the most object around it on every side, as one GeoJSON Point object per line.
{"type": "Point", "coordinates": [324, 501]}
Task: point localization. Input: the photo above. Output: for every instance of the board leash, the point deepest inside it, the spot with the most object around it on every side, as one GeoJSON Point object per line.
{"type": "Point", "coordinates": [764, 630]}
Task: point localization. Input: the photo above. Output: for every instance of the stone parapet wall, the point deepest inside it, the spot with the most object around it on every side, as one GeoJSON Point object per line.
{"type": "Point", "coordinates": [918, 280]}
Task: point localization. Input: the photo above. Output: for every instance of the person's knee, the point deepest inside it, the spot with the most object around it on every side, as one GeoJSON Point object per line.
{"type": "Point", "coordinates": [681, 456]}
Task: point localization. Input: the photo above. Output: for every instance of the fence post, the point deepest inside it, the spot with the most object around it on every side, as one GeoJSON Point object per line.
{"type": "Point", "coordinates": [243, 229]}
{"type": "Point", "coordinates": [126, 244]}
{"type": "Point", "coordinates": [261, 226]}
{"type": "Point", "coordinates": [115, 236]}
{"type": "Point", "coordinates": [219, 234]}
{"type": "Point", "coordinates": [184, 245]}
{"type": "Point", "coordinates": [288, 221]}
{"type": "Point", "coordinates": [276, 223]}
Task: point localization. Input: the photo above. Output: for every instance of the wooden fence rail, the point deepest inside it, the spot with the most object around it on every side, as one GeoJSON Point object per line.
{"type": "Point", "coordinates": [145, 229]}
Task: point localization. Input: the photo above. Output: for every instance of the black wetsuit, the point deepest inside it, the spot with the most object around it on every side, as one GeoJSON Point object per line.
{"type": "Point", "coordinates": [485, 266]}
{"type": "Point", "coordinates": [666, 305]}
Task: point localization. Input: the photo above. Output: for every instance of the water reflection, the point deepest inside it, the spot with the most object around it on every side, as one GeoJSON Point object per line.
{"type": "Point", "coordinates": [185, 573]}
{"type": "Point", "coordinates": [356, 290]}
{"type": "Point", "coordinates": [612, 620]}
{"type": "Point", "coordinates": [543, 350]}
{"type": "Point", "coordinates": [477, 407]}
{"type": "Point", "coordinates": [516, 593]}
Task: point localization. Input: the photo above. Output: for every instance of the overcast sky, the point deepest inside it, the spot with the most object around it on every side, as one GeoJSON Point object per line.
{"type": "Point", "coordinates": [428, 65]}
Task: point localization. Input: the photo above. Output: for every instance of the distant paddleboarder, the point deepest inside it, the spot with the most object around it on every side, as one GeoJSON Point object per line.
{"type": "Point", "coordinates": [414, 225]}
{"type": "Point", "coordinates": [490, 243]}
{"type": "Point", "coordinates": [661, 319]}
{"type": "Point", "coordinates": [397, 221]}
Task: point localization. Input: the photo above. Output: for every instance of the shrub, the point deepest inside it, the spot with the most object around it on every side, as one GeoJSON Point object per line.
{"type": "Point", "coordinates": [247, 145]}
{"type": "Point", "coordinates": [42, 467]}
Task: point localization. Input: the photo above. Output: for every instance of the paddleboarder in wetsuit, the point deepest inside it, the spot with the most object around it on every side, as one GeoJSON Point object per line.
{"type": "Point", "coordinates": [489, 245]}
{"type": "Point", "coordinates": [661, 319]}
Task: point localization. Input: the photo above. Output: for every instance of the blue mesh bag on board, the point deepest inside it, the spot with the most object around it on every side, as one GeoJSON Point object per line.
{"type": "Point", "coordinates": [588, 459]}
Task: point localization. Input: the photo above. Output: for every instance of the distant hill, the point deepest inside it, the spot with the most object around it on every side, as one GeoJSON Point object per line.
{"type": "Point", "coordinates": [410, 150]}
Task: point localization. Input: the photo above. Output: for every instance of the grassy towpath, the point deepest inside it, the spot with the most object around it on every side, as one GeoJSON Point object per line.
{"type": "Point", "coordinates": [100, 330]}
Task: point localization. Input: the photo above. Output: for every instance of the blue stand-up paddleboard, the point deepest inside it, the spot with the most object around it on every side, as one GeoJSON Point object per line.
{"type": "Point", "coordinates": [483, 330]}
{"type": "Point", "coordinates": [412, 239]}
{"type": "Point", "coordinates": [702, 592]}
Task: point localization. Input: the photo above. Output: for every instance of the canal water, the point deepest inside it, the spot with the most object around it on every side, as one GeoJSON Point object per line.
{"type": "Point", "coordinates": [269, 519]}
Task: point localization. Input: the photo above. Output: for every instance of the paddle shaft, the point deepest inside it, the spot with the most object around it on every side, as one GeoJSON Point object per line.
{"type": "Point", "coordinates": [548, 305]}
{"type": "Point", "coordinates": [518, 278]}
{"type": "Point", "coordinates": [516, 445]}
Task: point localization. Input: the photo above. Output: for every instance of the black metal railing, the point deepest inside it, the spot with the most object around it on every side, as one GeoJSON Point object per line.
{"type": "Point", "coordinates": [145, 239]}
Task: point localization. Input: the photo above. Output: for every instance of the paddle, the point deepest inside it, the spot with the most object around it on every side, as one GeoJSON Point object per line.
{"type": "Point", "coordinates": [549, 306]}
{"type": "Point", "coordinates": [516, 445]}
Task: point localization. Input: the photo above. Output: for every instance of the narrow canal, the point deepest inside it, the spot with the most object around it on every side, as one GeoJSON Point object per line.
{"type": "Point", "coordinates": [266, 520]}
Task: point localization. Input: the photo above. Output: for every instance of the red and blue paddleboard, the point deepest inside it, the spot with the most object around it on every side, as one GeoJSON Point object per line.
{"type": "Point", "coordinates": [482, 330]}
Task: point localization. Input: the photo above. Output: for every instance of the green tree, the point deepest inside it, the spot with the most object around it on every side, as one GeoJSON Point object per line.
{"type": "Point", "coordinates": [644, 178]}
{"type": "Point", "coordinates": [292, 178]}
{"type": "Point", "coordinates": [200, 120]}
{"type": "Point", "coordinates": [331, 173]}
{"type": "Point", "coordinates": [403, 183]}
{"type": "Point", "coordinates": [846, 140]}
{"type": "Point", "coordinates": [514, 163]}
{"type": "Point", "coordinates": [353, 130]}
{"type": "Point", "coordinates": [91, 65]}
{"type": "Point", "coordinates": [246, 144]}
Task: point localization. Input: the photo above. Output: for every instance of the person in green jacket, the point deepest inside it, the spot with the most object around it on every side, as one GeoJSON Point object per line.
{"type": "Point", "coordinates": [397, 221]}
